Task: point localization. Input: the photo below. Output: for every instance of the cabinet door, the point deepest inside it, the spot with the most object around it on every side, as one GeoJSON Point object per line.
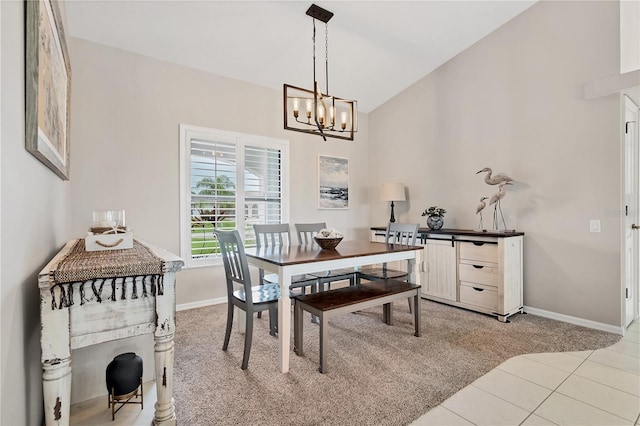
{"type": "Point", "coordinates": [439, 278]}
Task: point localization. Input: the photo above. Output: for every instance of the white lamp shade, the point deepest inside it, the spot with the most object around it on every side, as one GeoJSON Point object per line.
{"type": "Point", "coordinates": [393, 192]}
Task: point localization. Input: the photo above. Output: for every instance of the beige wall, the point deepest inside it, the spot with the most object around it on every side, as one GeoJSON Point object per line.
{"type": "Point", "coordinates": [513, 102]}
{"type": "Point", "coordinates": [34, 226]}
{"type": "Point", "coordinates": [126, 111]}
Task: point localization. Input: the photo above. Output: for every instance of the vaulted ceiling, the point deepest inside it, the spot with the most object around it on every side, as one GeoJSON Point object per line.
{"type": "Point", "coordinates": [376, 48]}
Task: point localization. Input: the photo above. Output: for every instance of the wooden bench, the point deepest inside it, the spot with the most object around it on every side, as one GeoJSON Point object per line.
{"type": "Point", "coordinates": [328, 304]}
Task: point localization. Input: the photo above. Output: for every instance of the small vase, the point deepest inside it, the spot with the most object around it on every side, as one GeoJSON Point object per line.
{"type": "Point", "coordinates": [435, 222]}
{"type": "Point", "coordinates": [124, 374]}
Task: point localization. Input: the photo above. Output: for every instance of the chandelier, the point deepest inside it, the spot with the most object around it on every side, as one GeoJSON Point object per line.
{"type": "Point", "coordinates": [322, 114]}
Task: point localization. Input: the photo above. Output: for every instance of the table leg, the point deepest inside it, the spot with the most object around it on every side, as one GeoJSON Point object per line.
{"type": "Point", "coordinates": [165, 413]}
{"type": "Point", "coordinates": [55, 358]}
{"type": "Point", "coordinates": [284, 320]}
{"type": "Point", "coordinates": [414, 265]}
{"type": "Point", "coordinates": [56, 388]}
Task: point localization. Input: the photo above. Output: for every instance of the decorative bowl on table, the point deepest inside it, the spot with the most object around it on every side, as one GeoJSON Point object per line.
{"type": "Point", "coordinates": [327, 243]}
{"type": "Point", "coordinates": [328, 239]}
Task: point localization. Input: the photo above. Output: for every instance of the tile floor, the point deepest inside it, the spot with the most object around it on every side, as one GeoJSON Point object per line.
{"type": "Point", "coordinates": [599, 387]}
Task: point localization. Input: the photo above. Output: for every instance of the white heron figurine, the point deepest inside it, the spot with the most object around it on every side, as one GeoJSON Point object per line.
{"type": "Point", "coordinates": [479, 209]}
{"type": "Point", "coordinates": [496, 179]}
{"type": "Point", "coordinates": [495, 199]}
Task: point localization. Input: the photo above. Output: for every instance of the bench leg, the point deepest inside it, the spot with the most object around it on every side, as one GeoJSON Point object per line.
{"type": "Point", "coordinates": [324, 329]}
{"type": "Point", "coordinates": [416, 313]}
{"type": "Point", "coordinates": [387, 313]}
{"type": "Point", "coordinates": [297, 328]}
{"type": "Point", "coordinates": [318, 286]}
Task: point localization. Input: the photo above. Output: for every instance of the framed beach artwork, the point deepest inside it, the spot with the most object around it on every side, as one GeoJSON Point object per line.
{"type": "Point", "coordinates": [333, 182]}
{"type": "Point", "coordinates": [48, 86]}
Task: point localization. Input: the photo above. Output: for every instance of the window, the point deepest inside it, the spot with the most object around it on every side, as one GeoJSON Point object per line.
{"type": "Point", "coordinates": [228, 181]}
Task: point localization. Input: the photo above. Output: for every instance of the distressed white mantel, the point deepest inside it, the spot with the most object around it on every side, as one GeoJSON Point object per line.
{"type": "Point", "coordinates": [80, 325]}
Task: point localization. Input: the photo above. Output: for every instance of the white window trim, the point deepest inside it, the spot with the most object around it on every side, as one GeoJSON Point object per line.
{"type": "Point", "coordinates": [188, 132]}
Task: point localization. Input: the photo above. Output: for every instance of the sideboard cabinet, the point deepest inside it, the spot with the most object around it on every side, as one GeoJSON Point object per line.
{"type": "Point", "coordinates": [480, 271]}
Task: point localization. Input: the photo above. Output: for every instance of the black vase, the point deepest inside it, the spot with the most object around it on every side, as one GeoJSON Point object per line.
{"type": "Point", "coordinates": [124, 374]}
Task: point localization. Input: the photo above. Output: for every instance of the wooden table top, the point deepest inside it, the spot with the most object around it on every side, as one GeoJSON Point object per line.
{"type": "Point", "coordinates": [291, 255]}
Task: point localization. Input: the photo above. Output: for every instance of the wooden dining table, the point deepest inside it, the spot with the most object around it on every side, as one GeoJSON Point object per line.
{"type": "Point", "coordinates": [287, 261]}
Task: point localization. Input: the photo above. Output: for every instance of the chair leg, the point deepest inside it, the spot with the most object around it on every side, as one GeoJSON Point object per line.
{"type": "Point", "coordinates": [261, 283]}
{"type": "Point", "coordinates": [297, 328]}
{"type": "Point", "coordinates": [227, 333]}
{"type": "Point", "coordinates": [273, 321]}
{"type": "Point", "coordinates": [410, 300]}
{"type": "Point", "coordinates": [261, 279]}
{"type": "Point", "coordinates": [248, 334]}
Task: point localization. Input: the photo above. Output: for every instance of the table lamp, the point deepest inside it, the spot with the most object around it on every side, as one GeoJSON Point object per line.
{"type": "Point", "coordinates": [393, 192]}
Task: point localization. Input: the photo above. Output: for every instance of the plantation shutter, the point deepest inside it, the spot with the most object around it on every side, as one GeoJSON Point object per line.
{"type": "Point", "coordinates": [213, 193]}
{"type": "Point", "coordinates": [234, 183]}
{"type": "Point", "coordinates": [262, 188]}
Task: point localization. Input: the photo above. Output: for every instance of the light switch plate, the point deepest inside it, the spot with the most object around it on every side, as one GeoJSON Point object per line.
{"type": "Point", "coordinates": [594, 225]}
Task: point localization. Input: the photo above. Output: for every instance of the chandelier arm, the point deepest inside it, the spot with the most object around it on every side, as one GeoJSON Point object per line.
{"type": "Point", "coordinates": [315, 106]}
{"type": "Point", "coordinates": [326, 129]}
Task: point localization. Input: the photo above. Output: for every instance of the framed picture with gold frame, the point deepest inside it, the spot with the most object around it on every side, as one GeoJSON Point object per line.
{"type": "Point", "coordinates": [48, 86]}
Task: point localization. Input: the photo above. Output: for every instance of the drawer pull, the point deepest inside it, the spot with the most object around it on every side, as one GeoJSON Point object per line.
{"type": "Point", "coordinates": [478, 266]}
{"type": "Point", "coordinates": [478, 243]}
{"type": "Point", "coordinates": [478, 289]}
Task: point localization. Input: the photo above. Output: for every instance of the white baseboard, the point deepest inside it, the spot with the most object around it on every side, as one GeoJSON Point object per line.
{"type": "Point", "coordinates": [200, 304]}
{"type": "Point", "coordinates": [574, 320]}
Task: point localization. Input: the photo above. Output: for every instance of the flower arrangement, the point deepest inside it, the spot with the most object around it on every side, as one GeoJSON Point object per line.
{"type": "Point", "coordinates": [328, 233]}
{"type": "Point", "coordinates": [434, 211]}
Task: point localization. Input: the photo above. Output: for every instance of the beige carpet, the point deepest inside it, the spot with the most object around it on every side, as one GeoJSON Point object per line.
{"type": "Point", "coordinates": [378, 375]}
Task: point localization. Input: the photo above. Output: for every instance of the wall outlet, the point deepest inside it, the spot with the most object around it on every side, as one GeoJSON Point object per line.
{"type": "Point", "coordinates": [594, 225]}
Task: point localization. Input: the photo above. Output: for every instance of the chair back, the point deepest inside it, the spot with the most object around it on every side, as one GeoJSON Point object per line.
{"type": "Point", "coordinates": [403, 234]}
{"type": "Point", "coordinates": [306, 231]}
{"type": "Point", "coordinates": [272, 235]}
{"type": "Point", "coordinates": [235, 262]}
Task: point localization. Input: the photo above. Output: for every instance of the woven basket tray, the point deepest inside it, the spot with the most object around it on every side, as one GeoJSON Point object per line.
{"type": "Point", "coordinates": [328, 243]}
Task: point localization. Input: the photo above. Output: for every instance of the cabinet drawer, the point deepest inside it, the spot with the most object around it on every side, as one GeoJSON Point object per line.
{"type": "Point", "coordinates": [484, 252]}
{"type": "Point", "coordinates": [479, 274]}
{"type": "Point", "coordinates": [478, 295]}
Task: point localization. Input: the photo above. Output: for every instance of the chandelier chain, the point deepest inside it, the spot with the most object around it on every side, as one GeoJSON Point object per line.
{"type": "Point", "coordinates": [326, 54]}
